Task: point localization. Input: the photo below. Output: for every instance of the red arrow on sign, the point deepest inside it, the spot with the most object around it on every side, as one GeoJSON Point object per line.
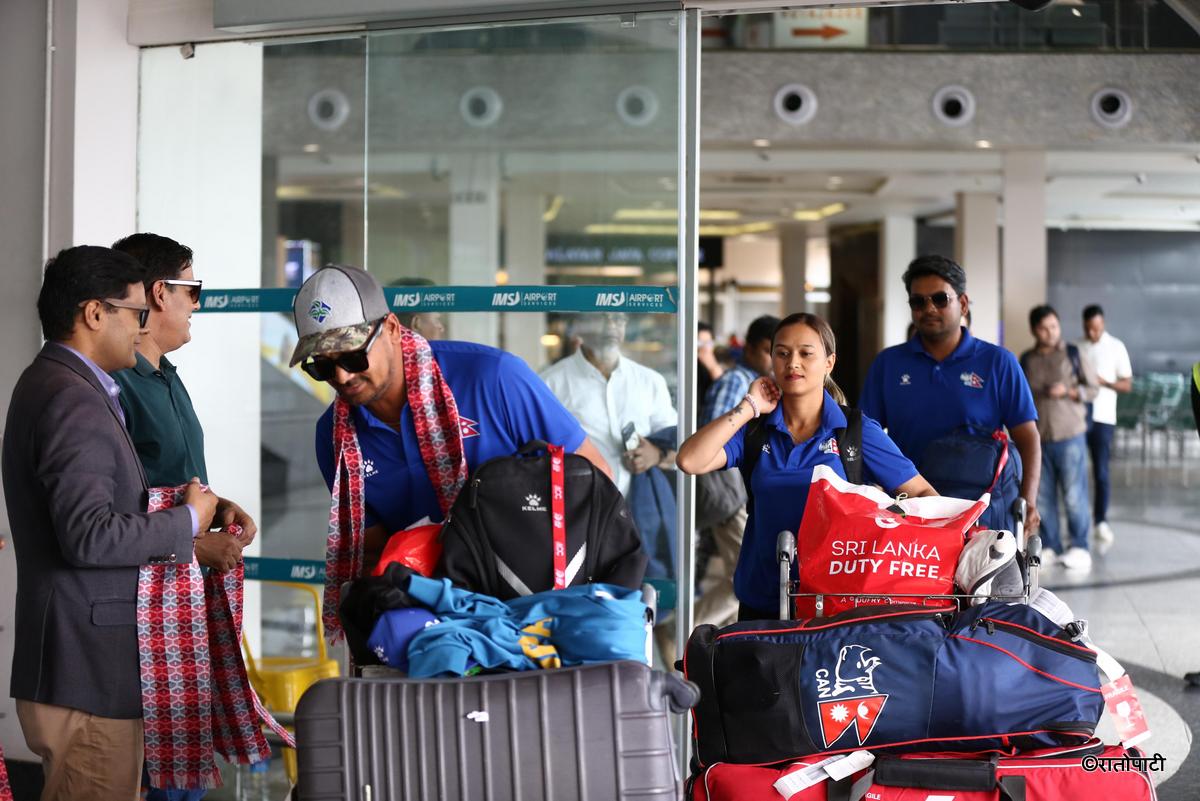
{"type": "Point", "coordinates": [825, 32]}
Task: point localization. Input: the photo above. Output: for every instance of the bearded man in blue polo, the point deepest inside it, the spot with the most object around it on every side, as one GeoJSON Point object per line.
{"type": "Point", "coordinates": [411, 417]}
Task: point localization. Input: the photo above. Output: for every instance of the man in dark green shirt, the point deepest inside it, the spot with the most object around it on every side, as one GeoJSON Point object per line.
{"type": "Point", "coordinates": [159, 412]}
{"type": "Point", "coordinates": [158, 409]}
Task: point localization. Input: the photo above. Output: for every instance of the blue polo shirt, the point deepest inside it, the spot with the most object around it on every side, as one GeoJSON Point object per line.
{"type": "Point", "coordinates": [917, 399]}
{"type": "Point", "coordinates": [780, 485]}
{"type": "Point", "coordinates": [502, 404]}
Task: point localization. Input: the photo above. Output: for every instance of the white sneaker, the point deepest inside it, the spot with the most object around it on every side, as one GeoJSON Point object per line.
{"type": "Point", "coordinates": [1104, 533]}
{"type": "Point", "coordinates": [1077, 559]}
{"type": "Point", "coordinates": [1049, 558]}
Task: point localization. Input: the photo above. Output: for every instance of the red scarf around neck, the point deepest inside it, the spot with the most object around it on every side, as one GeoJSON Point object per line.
{"type": "Point", "coordinates": [439, 436]}
{"type": "Point", "coordinates": [196, 696]}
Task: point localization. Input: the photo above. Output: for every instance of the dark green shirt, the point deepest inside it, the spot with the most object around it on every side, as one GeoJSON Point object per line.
{"type": "Point", "coordinates": [162, 423]}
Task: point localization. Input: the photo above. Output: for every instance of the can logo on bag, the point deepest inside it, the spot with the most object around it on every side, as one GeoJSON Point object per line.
{"type": "Point", "coordinates": [851, 699]}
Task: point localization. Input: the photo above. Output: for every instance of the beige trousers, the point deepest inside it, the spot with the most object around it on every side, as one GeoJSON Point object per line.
{"type": "Point", "coordinates": [84, 757]}
{"type": "Point", "coordinates": [717, 604]}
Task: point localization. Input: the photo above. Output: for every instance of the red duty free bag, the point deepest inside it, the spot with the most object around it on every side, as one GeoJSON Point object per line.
{"type": "Point", "coordinates": [857, 540]}
{"type": "Point", "coordinates": [418, 547]}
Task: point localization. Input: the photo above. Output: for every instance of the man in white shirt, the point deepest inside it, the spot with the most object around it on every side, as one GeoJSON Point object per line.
{"type": "Point", "coordinates": [1111, 360]}
{"type": "Point", "coordinates": [605, 391]}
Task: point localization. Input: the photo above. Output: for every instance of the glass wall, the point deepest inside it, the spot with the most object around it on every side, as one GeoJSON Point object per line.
{"type": "Point", "coordinates": [515, 186]}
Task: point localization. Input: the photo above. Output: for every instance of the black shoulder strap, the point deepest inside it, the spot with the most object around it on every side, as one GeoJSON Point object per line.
{"type": "Point", "coordinates": [752, 445]}
{"type": "Point", "coordinates": [849, 441]}
{"type": "Point", "coordinates": [1076, 366]}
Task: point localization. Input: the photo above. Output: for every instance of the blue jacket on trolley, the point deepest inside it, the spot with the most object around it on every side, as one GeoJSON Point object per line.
{"type": "Point", "coordinates": [572, 626]}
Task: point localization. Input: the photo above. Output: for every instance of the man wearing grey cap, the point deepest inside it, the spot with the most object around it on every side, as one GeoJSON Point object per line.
{"type": "Point", "coordinates": [410, 417]}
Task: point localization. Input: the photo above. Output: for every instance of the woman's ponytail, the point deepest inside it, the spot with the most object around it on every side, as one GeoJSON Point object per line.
{"type": "Point", "coordinates": [834, 390]}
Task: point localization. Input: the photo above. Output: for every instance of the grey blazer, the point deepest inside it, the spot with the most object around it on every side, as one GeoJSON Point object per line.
{"type": "Point", "coordinates": [76, 498]}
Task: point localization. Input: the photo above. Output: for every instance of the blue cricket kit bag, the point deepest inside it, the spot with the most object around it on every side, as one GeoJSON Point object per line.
{"type": "Point", "coordinates": [994, 677]}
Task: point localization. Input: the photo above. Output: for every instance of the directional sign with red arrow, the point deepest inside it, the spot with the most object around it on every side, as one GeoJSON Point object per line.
{"type": "Point", "coordinates": [825, 31]}
{"type": "Point", "coordinates": [821, 27]}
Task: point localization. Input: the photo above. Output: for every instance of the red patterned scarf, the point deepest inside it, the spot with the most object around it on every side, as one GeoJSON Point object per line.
{"type": "Point", "coordinates": [196, 697]}
{"type": "Point", "coordinates": [5, 789]}
{"type": "Point", "coordinates": [435, 418]}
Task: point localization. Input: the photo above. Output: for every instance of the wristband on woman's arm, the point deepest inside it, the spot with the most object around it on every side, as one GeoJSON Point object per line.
{"type": "Point", "coordinates": [753, 404]}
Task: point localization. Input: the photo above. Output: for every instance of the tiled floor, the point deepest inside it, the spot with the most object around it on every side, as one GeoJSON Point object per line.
{"type": "Point", "coordinates": [1141, 601]}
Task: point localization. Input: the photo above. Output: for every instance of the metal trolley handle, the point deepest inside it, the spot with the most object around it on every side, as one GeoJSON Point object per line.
{"type": "Point", "coordinates": [786, 550]}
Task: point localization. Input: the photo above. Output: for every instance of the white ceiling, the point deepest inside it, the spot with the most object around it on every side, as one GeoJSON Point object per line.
{"type": "Point", "coordinates": [1084, 189]}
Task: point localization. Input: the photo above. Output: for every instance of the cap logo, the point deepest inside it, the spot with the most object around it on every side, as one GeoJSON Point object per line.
{"type": "Point", "coordinates": [319, 310]}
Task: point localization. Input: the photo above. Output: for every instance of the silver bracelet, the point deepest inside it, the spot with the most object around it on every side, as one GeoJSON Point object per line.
{"type": "Point", "coordinates": [753, 405]}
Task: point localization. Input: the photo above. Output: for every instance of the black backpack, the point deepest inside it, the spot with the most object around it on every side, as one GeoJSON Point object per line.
{"type": "Point", "coordinates": [849, 440]}
{"type": "Point", "coordinates": [498, 538]}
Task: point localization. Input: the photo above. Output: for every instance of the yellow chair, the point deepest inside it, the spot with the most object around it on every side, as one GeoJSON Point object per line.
{"type": "Point", "coordinates": [281, 680]}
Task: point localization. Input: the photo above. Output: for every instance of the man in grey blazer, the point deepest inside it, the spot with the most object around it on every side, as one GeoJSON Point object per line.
{"type": "Point", "coordinates": [77, 498]}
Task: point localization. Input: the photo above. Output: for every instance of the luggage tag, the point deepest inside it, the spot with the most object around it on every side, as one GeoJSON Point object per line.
{"type": "Point", "coordinates": [1120, 697]}
{"type": "Point", "coordinates": [1122, 704]}
{"type": "Point", "coordinates": [834, 767]}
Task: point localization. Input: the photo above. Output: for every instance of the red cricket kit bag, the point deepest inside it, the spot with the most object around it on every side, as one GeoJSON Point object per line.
{"type": "Point", "coordinates": [901, 678]}
{"type": "Point", "coordinates": [729, 782]}
{"type": "Point", "coordinates": [1089, 771]}
{"type": "Point", "coordinates": [857, 540]}
{"type": "Point", "coordinates": [1093, 772]}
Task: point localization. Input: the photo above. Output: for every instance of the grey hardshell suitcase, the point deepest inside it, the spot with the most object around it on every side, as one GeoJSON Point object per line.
{"type": "Point", "coordinates": [596, 732]}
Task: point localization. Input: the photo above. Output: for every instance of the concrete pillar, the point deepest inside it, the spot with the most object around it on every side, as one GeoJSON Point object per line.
{"type": "Point", "coordinates": [475, 236]}
{"type": "Point", "coordinates": [977, 249]}
{"type": "Point", "coordinates": [1023, 271]}
{"type": "Point", "coordinates": [200, 134]}
{"type": "Point", "coordinates": [897, 247]}
{"type": "Point", "coordinates": [106, 124]}
{"type": "Point", "coordinates": [804, 257]}
{"type": "Point", "coordinates": [525, 263]}
{"type": "Point", "coordinates": [23, 54]}
{"type": "Point", "coordinates": [728, 316]}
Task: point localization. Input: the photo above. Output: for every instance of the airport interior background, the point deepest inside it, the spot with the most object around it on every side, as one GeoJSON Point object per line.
{"type": "Point", "coordinates": [1056, 154]}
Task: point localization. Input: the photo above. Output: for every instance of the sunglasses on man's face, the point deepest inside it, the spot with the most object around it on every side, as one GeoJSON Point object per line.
{"type": "Point", "coordinates": [941, 300]}
{"type": "Point", "coordinates": [322, 368]}
{"type": "Point", "coordinates": [192, 285]}
{"type": "Point", "coordinates": [143, 311]}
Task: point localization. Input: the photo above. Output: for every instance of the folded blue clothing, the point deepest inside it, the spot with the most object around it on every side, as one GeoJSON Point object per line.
{"type": "Point", "coordinates": [573, 626]}
{"type": "Point", "coordinates": [394, 631]}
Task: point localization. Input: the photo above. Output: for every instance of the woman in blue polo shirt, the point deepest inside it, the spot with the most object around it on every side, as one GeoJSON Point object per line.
{"type": "Point", "coordinates": [802, 412]}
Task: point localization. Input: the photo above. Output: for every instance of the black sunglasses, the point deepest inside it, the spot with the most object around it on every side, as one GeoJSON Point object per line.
{"type": "Point", "coordinates": [355, 361]}
{"type": "Point", "coordinates": [143, 311]}
{"type": "Point", "coordinates": [940, 299]}
{"type": "Point", "coordinates": [192, 285]}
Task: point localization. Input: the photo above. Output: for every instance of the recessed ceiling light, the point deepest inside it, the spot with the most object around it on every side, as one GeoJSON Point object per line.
{"type": "Point", "coordinates": [312, 148]}
{"type": "Point", "coordinates": [983, 143]}
{"type": "Point", "coordinates": [835, 180]}
{"type": "Point", "coordinates": [761, 143]}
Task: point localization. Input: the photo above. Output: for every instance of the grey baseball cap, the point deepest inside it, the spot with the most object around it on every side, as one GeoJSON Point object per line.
{"type": "Point", "coordinates": [334, 311]}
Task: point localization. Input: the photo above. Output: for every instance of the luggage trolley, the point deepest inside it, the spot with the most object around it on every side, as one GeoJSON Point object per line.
{"type": "Point", "coordinates": [1028, 560]}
